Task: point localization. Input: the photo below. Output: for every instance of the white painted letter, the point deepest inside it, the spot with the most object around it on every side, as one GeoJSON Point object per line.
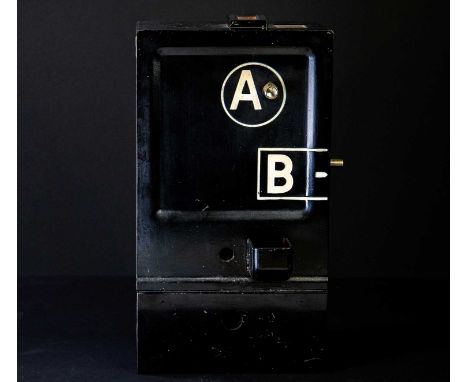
{"type": "Point", "coordinates": [285, 173]}
{"type": "Point", "coordinates": [246, 76]}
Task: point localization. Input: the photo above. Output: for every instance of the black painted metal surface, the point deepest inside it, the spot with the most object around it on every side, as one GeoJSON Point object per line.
{"type": "Point", "coordinates": [207, 190]}
{"type": "Point", "coordinates": [83, 329]}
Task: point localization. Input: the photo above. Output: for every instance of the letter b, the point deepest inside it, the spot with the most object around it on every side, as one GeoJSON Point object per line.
{"type": "Point", "coordinates": [285, 173]}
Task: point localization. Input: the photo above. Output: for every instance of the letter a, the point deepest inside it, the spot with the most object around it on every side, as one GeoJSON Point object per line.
{"type": "Point", "coordinates": [285, 173]}
{"type": "Point", "coordinates": [252, 96]}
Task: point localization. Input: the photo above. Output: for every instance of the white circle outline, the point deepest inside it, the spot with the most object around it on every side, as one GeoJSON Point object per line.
{"type": "Point", "coordinates": [282, 85]}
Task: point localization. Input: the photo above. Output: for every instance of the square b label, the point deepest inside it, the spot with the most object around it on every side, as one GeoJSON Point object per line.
{"type": "Point", "coordinates": [286, 174]}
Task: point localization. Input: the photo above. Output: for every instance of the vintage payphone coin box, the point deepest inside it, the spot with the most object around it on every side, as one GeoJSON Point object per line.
{"type": "Point", "coordinates": [233, 136]}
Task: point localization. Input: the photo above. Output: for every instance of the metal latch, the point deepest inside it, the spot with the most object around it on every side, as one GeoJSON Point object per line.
{"type": "Point", "coordinates": [247, 22]}
{"type": "Point", "coordinates": [270, 258]}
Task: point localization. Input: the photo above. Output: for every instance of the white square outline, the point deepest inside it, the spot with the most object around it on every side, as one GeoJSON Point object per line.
{"type": "Point", "coordinates": [259, 150]}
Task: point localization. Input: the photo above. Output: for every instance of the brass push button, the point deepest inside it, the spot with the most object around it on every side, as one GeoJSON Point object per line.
{"type": "Point", "coordinates": [336, 162]}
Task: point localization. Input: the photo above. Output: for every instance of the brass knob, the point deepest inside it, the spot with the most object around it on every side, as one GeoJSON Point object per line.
{"type": "Point", "coordinates": [270, 90]}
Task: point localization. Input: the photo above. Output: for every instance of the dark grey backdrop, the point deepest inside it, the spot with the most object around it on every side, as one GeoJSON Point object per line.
{"type": "Point", "coordinates": [76, 112]}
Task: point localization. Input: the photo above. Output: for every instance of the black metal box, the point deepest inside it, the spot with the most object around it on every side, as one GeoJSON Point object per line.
{"type": "Point", "coordinates": [233, 133]}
